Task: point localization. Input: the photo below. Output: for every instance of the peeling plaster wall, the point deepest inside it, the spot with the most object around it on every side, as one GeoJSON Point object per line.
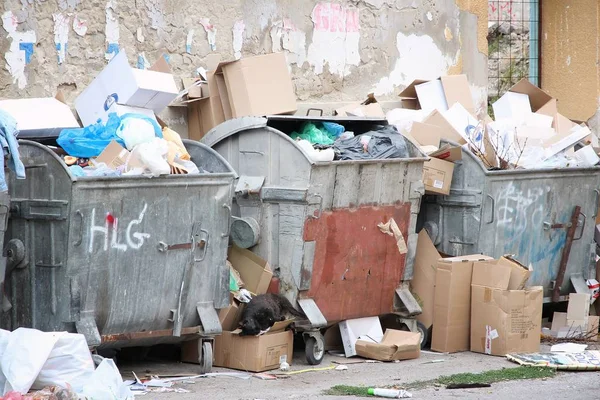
{"type": "Point", "coordinates": [571, 57]}
{"type": "Point", "coordinates": [338, 51]}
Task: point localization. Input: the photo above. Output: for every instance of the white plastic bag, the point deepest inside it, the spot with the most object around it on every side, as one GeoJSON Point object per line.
{"type": "Point", "coordinates": [154, 156]}
{"type": "Point", "coordinates": [31, 358]}
{"type": "Point", "coordinates": [135, 131]}
{"type": "Point", "coordinates": [314, 154]}
{"type": "Point", "coordinates": [403, 118]}
{"type": "Point", "coordinates": [106, 383]}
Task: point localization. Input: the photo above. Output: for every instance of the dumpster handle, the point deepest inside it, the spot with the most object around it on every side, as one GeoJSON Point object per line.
{"type": "Point", "coordinates": [319, 110]}
{"type": "Point", "coordinates": [582, 228]}
{"type": "Point", "coordinates": [204, 244]}
{"type": "Point", "coordinates": [228, 208]}
{"type": "Point", "coordinates": [320, 207]}
{"type": "Point", "coordinates": [78, 241]}
{"type": "Point", "coordinates": [493, 209]}
{"type": "Point", "coordinates": [597, 200]}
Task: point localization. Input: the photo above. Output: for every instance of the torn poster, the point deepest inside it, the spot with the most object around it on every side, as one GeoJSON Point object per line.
{"type": "Point", "coordinates": [20, 50]}
{"type": "Point", "coordinates": [584, 361]}
{"type": "Point", "coordinates": [391, 228]}
{"type": "Point", "coordinates": [139, 34]}
{"type": "Point", "coordinates": [285, 36]}
{"type": "Point", "coordinates": [238, 38]}
{"type": "Point", "coordinates": [142, 61]}
{"type": "Point", "coordinates": [112, 31]}
{"type": "Point", "coordinates": [188, 41]}
{"type": "Point", "coordinates": [80, 26]}
{"type": "Point", "coordinates": [211, 33]}
{"type": "Point", "coordinates": [335, 40]}
{"type": "Point", "coordinates": [61, 35]}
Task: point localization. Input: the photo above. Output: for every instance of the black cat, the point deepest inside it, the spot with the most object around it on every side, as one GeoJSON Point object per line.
{"type": "Point", "coordinates": [263, 311]}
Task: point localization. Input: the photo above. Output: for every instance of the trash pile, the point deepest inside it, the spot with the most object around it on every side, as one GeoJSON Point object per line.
{"type": "Point", "coordinates": [528, 131]}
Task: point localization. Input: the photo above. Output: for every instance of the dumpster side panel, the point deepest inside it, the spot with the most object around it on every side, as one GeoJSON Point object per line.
{"type": "Point", "coordinates": [356, 268]}
{"type": "Point", "coordinates": [519, 221]}
{"type": "Point", "coordinates": [39, 208]}
{"type": "Point", "coordinates": [134, 258]}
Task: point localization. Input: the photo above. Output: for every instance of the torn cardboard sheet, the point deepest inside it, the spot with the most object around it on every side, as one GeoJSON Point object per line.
{"type": "Point", "coordinates": [391, 228]}
{"type": "Point", "coordinates": [584, 361]}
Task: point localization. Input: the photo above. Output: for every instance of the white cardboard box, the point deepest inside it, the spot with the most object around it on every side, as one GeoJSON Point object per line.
{"type": "Point", "coordinates": [40, 117]}
{"type": "Point", "coordinates": [120, 83]}
{"type": "Point", "coordinates": [368, 329]}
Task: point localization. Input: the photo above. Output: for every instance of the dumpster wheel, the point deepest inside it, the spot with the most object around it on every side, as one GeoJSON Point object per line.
{"type": "Point", "coordinates": [424, 334]}
{"type": "Point", "coordinates": [205, 358]}
{"type": "Point", "coordinates": [314, 347]}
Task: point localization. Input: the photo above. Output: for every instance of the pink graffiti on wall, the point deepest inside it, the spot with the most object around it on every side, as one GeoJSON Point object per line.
{"type": "Point", "coordinates": [507, 10]}
{"type": "Point", "coordinates": [333, 17]}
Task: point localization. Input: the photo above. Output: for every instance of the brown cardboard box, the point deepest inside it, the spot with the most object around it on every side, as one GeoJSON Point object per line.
{"type": "Point", "coordinates": [519, 274]}
{"type": "Point", "coordinates": [422, 285]}
{"type": "Point", "coordinates": [437, 176]}
{"type": "Point", "coordinates": [256, 86]}
{"type": "Point", "coordinates": [541, 101]}
{"type": "Point", "coordinates": [503, 321]}
{"type": "Point", "coordinates": [230, 317]}
{"type": "Point", "coordinates": [368, 108]}
{"type": "Point", "coordinates": [448, 153]}
{"type": "Point", "coordinates": [255, 353]}
{"type": "Point", "coordinates": [116, 156]}
{"type": "Point", "coordinates": [436, 118]}
{"type": "Point", "coordinates": [395, 345]}
{"type": "Point", "coordinates": [456, 90]}
{"type": "Point", "coordinates": [207, 112]}
{"type": "Point", "coordinates": [452, 303]}
{"type": "Point", "coordinates": [254, 271]}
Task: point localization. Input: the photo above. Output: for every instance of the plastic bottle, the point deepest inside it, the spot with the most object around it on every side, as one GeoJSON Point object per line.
{"type": "Point", "coordinates": [389, 393]}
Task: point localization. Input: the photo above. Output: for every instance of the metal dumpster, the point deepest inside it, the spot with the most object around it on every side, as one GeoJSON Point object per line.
{"type": "Point", "coordinates": [317, 222]}
{"type": "Point", "coordinates": [125, 261]}
{"type": "Point", "coordinates": [521, 212]}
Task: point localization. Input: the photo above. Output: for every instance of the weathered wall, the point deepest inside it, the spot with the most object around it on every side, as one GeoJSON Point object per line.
{"type": "Point", "coordinates": [571, 57]}
{"type": "Point", "coordinates": [338, 51]}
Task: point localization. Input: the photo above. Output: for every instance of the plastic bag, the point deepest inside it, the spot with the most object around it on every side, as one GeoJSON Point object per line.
{"type": "Point", "coordinates": [154, 156]}
{"type": "Point", "coordinates": [403, 119]}
{"type": "Point", "coordinates": [316, 155]}
{"type": "Point", "coordinates": [135, 131]}
{"type": "Point", "coordinates": [76, 170]}
{"type": "Point", "coordinates": [314, 135]}
{"type": "Point", "coordinates": [90, 141]}
{"type": "Point", "coordinates": [31, 358]}
{"type": "Point", "coordinates": [333, 130]}
{"type": "Point", "coordinates": [106, 383]}
{"type": "Point", "coordinates": [100, 169]}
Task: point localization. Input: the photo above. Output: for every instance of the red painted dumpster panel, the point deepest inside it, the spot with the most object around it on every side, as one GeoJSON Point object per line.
{"type": "Point", "coordinates": [357, 268]}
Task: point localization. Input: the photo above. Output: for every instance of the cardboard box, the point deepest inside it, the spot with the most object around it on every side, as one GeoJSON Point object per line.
{"type": "Point", "coordinates": [503, 321]}
{"type": "Point", "coordinates": [514, 101]}
{"type": "Point", "coordinates": [437, 176]}
{"type": "Point", "coordinates": [254, 271]}
{"type": "Point", "coordinates": [254, 353]}
{"type": "Point", "coordinates": [117, 157]}
{"type": "Point", "coordinates": [230, 317]}
{"type": "Point", "coordinates": [519, 274]}
{"type": "Point", "coordinates": [256, 86]}
{"type": "Point", "coordinates": [448, 153]}
{"type": "Point", "coordinates": [362, 328]}
{"type": "Point", "coordinates": [450, 90]}
{"type": "Point", "coordinates": [207, 112]}
{"type": "Point", "coordinates": [422, 286]}
{"type": "Point", "coordinates": [40, 118]}
{"type": "Point", "coordinates": [452, 303]}
{"type": "Point", "coordinates": [395, 345]}
{"type": "Point", "coordinates": [119, 83]}
{"type": "Point", "coordinates": [444, 128]}
{"type": "Point", "coordinates": [368, 108]}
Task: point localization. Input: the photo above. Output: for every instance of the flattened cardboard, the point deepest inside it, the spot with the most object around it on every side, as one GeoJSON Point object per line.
{"type": "Point", "coordinates": [452, 303]}
{"type": "Point", "coordinates": [256, 86]}
{"type": "Point", "coordinates": [116, 156]}
{"type": "Point", "coordinates": [437, 119]}
{"type": "Point", "coordinates": [437, 176]}
{"type": "Point", "coordinates": [448, 153]}
{"type": "Point", "coordinates": [563, 329]}
{"type": "Point", "coordinates": [230, 317]}
{"type": "Point", "coordinates": [427, 134]}
{"type": "Point", "coordinates": [395, 345]}
{"type": "Point", "coordinates": [505, 321]}
{"type": "Point", "coordinates": [206, 113]}
{"type": "Point", "coordinates": [422, 285]}
{"type": "Point", "coordinates": [537, 97]}
{"type": "Point", "coordinates": [363, 328]}
{"type": "Point", "coordinates": [456, 90]}
{"type": "Point", "coordinates": [578, 307]}
{"type": "Point", "coordinates": [254, 271]}
{"type": "Point", "coordinates": [519, 274]}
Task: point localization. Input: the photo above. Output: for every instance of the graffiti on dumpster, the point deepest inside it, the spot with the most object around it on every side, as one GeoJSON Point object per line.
{"type": "Point", "coordinates": [521, 218]}
{"type": "Point", "coordinates": [110, 236]}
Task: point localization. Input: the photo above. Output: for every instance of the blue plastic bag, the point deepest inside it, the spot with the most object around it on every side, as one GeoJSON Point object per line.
{"type": "Point", "coordinates": [90, 141]}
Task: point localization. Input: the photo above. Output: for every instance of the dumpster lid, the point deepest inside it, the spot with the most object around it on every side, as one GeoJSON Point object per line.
{"type": "Point", "coordinates": [327, 118]}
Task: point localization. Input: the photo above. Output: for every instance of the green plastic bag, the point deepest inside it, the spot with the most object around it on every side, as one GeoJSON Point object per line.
{"type": "Point", "coordinates": [313, 134]}
{"type": "Point", "coordinates": [233, 286]}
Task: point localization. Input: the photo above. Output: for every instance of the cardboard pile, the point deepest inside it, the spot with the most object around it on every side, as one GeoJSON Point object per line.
{"type": "Point", "coordinates": [248, 353]}
{"type": "Point", "coordinates": [251, 86]}
{"type": "Point", "coordinates": [576, 323]}
{"type": "Point", "coordinates": [364, 337]}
